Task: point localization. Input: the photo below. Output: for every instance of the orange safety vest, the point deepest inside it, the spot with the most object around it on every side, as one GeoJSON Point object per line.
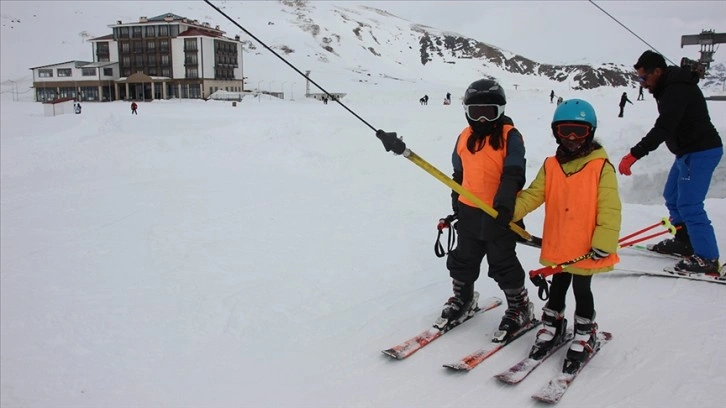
{"type": "Point", "coordinates": [571, 214]}
{"type": "Point", "coordinates": [482, 169]}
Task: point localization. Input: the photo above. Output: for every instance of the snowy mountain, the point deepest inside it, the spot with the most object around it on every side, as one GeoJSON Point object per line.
{"type": "Point", "coordinates": [355, 40]}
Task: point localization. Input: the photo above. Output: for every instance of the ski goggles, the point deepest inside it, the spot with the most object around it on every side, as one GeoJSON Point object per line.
{"type": "Point", "coordinates": [488, 112]}
{"type": "Point", "coordinates": [572, 131]}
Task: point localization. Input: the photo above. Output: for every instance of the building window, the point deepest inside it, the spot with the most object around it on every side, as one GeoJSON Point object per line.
{"type": "Point", "coordinates": [152, 71]}
{"type": "Point", "coordinates": [45, 73]}
{"type": "Point", "coordinates": [163, 31]}
{"type": "Point", "coordinates": [192, 72]}
{"type": "Point", "coordinates": [166, 72]}
{"type": "Point", "coordinates": [138, 47]}
{"type": "Point", "coordinates": [164, 46]}
{"type": "Point", "coordinates": [164, 60]}
{"type": "Point", "coordinates": [139, 61]}
{"type": "Point", "coordinates": [67, 92]}
{"type": "Point", "coordinates": [136, 32]}
{"type": "Point", "coordinates": [152, 60]}
{"type": "Point", "coordinates": [45, 94]}
{"type": "Point", "coordinates": [151, 31]}
{"type": "Point", "coordinates": [124, 32]}
{"type": "Point", "coordinates": [108, 72]}
{"type": "Point", "coordinates": [127, 72]}
{"type": "Point", "coordinates": [190, 44]}
{"type": "Point", "coordinates": [64, 72]}
{"type": "Point", "coordinates": [125, 61]}
{"type": "Point", "coordinates": [125, 48]}
{"type": "Point", "coordinates": [191, 59]}
{"type": "Point", "coordinates": [195, 91]}
{"type": "Point", "coordinates": [88, 71]}
{"type": "Point", "coordinates": [151, 46]}
{"type": "Point", "coordinates": [89, 93]}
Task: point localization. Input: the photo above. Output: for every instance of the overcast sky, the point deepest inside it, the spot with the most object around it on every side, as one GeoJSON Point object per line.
{"type": "Point", "coordinates": [564, 25]}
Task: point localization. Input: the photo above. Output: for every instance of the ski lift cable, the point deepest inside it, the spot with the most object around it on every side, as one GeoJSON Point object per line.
{"type": "Point", "coordinates": [289, 64]}
{"type": "Point", "coordinates": [631, 31]}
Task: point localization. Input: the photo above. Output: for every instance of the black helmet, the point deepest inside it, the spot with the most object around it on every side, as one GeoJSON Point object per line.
{"type": "Point", "coordinates": [485, 91]}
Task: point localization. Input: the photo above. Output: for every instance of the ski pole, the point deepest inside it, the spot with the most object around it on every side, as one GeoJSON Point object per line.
{"type": "Point", "coordinates": [392, 143]}
{"type": "Point", "coordinates": [665, 222]}
{"type": "Point", "coordinates": [537, 276]}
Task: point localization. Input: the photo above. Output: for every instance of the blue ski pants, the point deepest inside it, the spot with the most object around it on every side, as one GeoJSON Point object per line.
{"type": "Point", "coordinates": [685, 191]}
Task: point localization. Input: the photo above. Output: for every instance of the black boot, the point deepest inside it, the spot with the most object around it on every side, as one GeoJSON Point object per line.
{"type": "Point", "coordinates": [582, 345]}
{"type": "Point", "coordinates": [551, 334]}
{"type": "Point", "coordinates": [519, 313]}
{"type": "Point", "coordinates": [462, 304]}
{"type": "Point", "coordinates": [680, 245]}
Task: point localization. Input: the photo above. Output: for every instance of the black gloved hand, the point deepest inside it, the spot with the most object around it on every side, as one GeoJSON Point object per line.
{"type": "Point", "coordinates": [504, 216]}
{"type": "Point", "coordinates": [455, 203]}
{"type": "Point", "coordinates": [598, 254]}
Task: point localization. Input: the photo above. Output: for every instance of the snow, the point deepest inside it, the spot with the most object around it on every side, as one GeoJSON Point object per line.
{"type": "Point", "coordinates": [200, 254]}
{"type": "Point", "coordinates": [205, 255]}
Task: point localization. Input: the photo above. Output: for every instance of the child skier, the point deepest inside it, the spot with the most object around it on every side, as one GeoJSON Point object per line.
{"type": "Point", "coordinates": [488, 160]}
{"type": "Point", "coordinates": [582, 215]}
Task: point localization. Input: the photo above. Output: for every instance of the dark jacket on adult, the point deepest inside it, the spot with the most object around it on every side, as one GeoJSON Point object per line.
{"type": "Point", "coordinates": [683, 124]}
{"type": "Point", "coordinates": [624, 99]}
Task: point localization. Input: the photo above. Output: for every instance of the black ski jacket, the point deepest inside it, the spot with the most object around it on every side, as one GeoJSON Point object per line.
{"type": "Point", "coordinates": [683, 124]}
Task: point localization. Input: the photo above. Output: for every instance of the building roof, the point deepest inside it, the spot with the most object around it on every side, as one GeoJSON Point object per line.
{"type": "Point", "coordinates": [78, 64]}
{"type": "Point", "coordinates": [163, 16]}
{"type": "Point", "coordinates": [105, 37]}
{"type": "Point", "coordinates": [99, 64]}
{"type": "Point", "coordinates": [195, 32]}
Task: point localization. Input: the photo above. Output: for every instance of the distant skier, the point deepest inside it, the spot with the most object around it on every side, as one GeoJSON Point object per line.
{"type": "Point", "coordinates": [623, 100]}
{"type": "Point", "coordinates": [77, 107]}
{"type": "Point", "coordinates": [134, 107]}
{"type": "Point", "coordinates": [552, 96]}
{"type": "Point", "coordinates": [579, 188]}
{"type": "Point", "coordinates": [640, 93]}
{"type": "Point", "coordinates": [447, 101]}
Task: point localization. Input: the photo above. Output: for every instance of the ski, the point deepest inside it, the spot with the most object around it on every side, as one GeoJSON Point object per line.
{"type": "Point", "coordinates": [706, 277]}
{"type": "Point", "coordinates": [669, 272]}
{"type": "Point", "coordinates": [645, 250]}
{"type": "Point", "coordinates": [472, 360]}
{"type": "Point", "coordinates": [416, 343]}
{"type": "Point", "coordinates": [521, 370]}
{"type": "Point", "coordinates": [557, 386]}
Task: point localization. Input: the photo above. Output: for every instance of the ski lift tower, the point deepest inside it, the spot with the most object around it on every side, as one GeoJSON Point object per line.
{"type": "Point", "coordinates": [707, 40]}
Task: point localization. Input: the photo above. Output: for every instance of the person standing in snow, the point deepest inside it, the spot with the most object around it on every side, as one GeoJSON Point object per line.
{"type": "Point", "coordinates": [579, 188]}
{"type": "Point", "coordinates": [552, 96]}
{"type": "Point", "coordinates": [488, 160]}
{"type": "Point", "coordinates": [685, 126]}
{"type": "Point", "coordinates": [640, 93]}
{"type": "Point", "coordinates": [134, 107]}
{"type": "Point", "coordinates": [623, 100]}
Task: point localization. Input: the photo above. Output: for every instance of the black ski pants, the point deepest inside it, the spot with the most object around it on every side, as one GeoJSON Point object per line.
{"type": "Point", "coordinates": [584, 303]}
{"type": "Point", "coordinates": [464, 262]}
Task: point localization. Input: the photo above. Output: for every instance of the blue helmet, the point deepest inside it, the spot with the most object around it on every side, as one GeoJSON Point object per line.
{"type": "Point", "coordinates": [575, 110]}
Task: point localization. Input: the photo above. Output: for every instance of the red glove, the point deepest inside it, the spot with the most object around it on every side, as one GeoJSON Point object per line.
{"type": "Point", "coordinates": [625, 164]}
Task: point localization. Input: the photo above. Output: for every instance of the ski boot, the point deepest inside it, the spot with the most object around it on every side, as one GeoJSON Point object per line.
{"type": "Point", "coordinates": [551, 334]}
{"type": "Point", "coordinates": [582, 345]}
{"type": "Point", "coordinates": [678, 246]}
{"type": "Point", "coordinates": [519, 313]}
{"type": "Point", "coordinates": [696, 264]}
{"type": "Point", "coordinates": [459, 307]}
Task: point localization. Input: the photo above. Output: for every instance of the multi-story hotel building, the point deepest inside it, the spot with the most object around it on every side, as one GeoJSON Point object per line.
{"type": "Point", "coordinates": [167, 56]}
